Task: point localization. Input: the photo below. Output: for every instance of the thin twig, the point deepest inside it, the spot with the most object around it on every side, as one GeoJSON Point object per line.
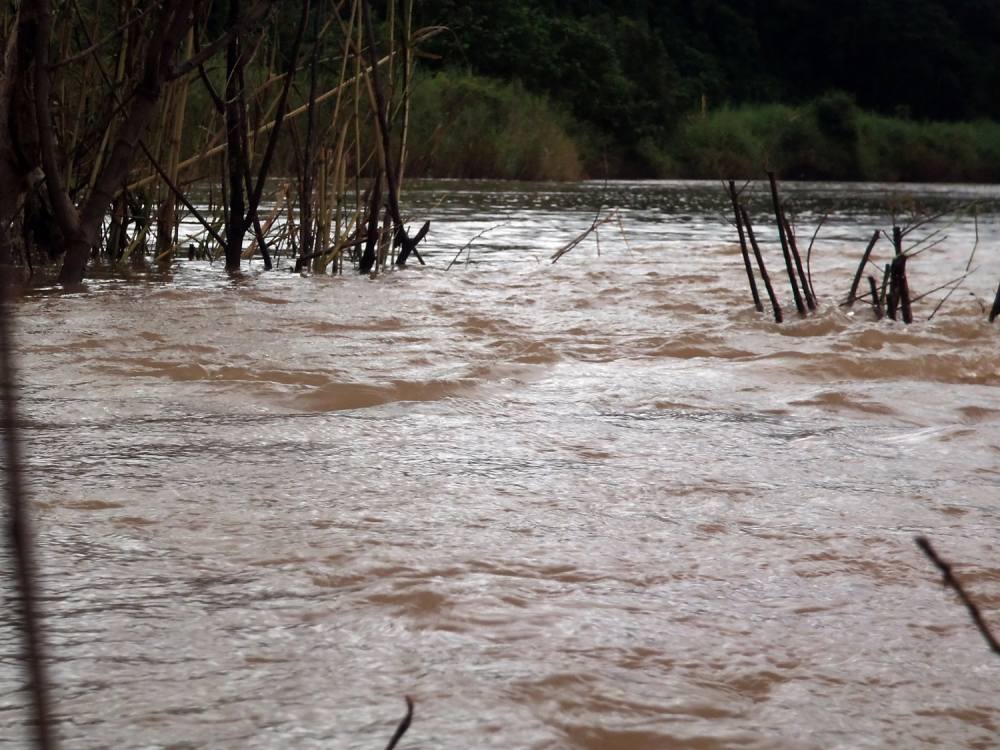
{"type": "Point", "coordinates": [598, 221]}
{"type": "Point", "coordinates": [944, 299]}
{"type": "Point", "coordinates": [975, 246]}
{"type": "Point", "coordinates": [933, 217]}
{"type": "Point", "coordinates": [809, 250]}
{"type": "Point", "coordinates": [910, 253]}
{"type": "Point", "coordinates": [950, 580]}
{"type": "Point", "coordinates": [468, 244]}
{"type": "Point", "coordinates": [104, 40]}
{"type": "Point", "coordinates": [929, 236]}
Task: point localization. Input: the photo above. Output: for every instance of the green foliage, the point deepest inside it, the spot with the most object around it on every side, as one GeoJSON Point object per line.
{"type": "Point", "coordinates": [633, 70]}
{"type": "Point", "coordinates": [469, 126]}
{"type": "Point", "coordinates": [943, 152]}
{"type": "Point", "coordinates": [830, 138]}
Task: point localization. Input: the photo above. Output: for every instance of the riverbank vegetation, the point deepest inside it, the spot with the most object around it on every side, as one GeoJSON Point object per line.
{"type": "Point", "coordinates": [295, 124]}
{"type": "Point", "coordinates": [829, 138]}
{"type": "Point", "coordinates": [880, 89]}
{"type": "Point", "coordinates": [470, 126]}
{"type": "Point", "coordinates": [495, 129]}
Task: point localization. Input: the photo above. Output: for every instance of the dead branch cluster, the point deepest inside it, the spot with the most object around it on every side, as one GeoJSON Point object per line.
{"type": "Point", "coordinates": [888, 288]}
{"type": "Point", "coordinates": [212, 128]}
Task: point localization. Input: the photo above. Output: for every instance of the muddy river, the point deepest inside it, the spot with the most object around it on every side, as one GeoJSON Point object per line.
{"type": "Point", "coordinates": [601, 503]}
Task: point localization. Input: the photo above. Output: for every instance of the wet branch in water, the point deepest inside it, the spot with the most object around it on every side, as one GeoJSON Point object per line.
{"type": "Point", "coordinates": [404, 724]}
{"type": "Point", "coordinates": [468, 245]}
{"type": "Point", "coordinates": [809, 252]}
{"type": "Point", "coordinates": [19, 531]}
{"type": "Point", "coordinates": [950, 580]}
{"type": "Point", "coordinates": [734, 199]}
{"type": "Point", "coordinates": [594, 226]}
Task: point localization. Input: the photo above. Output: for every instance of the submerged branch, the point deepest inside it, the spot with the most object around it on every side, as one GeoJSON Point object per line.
{"type": "Point", "coordinates": [404, 724]}
{"type": "Point", "coordinates": [594, 225]}
{"type": "Point", "coordinates": [468, 245]}
{"type": "Point", "coordinates": [951, 581]}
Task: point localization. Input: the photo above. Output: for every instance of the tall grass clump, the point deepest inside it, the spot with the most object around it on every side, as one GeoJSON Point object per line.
{"type": "Point", "coordinates": [469, 126]}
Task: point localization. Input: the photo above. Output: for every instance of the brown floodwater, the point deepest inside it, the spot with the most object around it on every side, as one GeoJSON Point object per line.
{"type": "Point", "coordinates": [596, 504]}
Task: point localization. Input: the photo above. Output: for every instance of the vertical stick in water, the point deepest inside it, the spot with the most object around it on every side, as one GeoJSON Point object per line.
{"type": "Point", "coordinates": [883, 291]}
{"type": "Point", "coordinates": [743, 248]}
{"type": "Point", "coordinates": [18, 530]}
{"type": "Point", "coordinates": [876, 306]}
{"type": "Point", "coordinates": [903, 288]}
{"type": "Point", "coordinates": [892, 298]}
{"type": "Point", "coordinates": [852, 295]}
{"type": "Point", "coordinates": [996, 306]}
{"type": "Point", "coordinates": [760, 264]}
{"type": "Point", "coordinates": [793, 246]}
{"type": "Point", "coordinates": [784, 245]}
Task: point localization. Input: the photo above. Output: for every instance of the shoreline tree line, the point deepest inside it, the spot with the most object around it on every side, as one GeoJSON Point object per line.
{"type": "Point", "coordinates": [689, 89]}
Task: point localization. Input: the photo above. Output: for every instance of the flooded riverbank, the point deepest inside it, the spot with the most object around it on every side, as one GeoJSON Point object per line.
{"type": "Point", "coordinates": [598, 504]}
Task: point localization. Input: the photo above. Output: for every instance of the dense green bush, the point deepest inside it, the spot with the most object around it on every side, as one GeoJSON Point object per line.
{"type": "Point", "coordinates": [831, 139]}
{"type": "Point", "coordinates": [468, 126]}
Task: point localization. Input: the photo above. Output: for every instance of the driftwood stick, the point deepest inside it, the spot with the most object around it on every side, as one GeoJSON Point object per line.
{"type": "Point", "coordinates": [892, 300]}
{"type": "Point", "coordinates": [404, 724]}
{"type": "Point", "coordinates": [950, 580]}
{"type": "Point", "coordinates": [852, 295]}
{"type": "Point", "coordinates": [786, 251]}
{"type": "Point", "coordinates": [875, 301]}
{"type": "Point", "coordinates": [899, 264]}
{"type": "Point", "coordinates": [778, 317]}
{"type": "Point", "coordinates": [794, 247]}
{"type": "Point", "coordinates": [19, 536]}
{"type": "Point", "coordinates": [743, 248]}
{"type": "Point", "coordinates": [996, 306]}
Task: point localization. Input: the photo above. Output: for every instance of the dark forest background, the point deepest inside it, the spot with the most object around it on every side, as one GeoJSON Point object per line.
{"type": "Point", "coordinates": [625, 80]}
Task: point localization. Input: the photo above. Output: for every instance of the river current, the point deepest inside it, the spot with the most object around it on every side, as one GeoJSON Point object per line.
{"type": "Point", "coordinates": [601, 503]}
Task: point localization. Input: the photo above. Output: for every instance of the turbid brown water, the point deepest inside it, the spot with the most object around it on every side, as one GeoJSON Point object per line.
{"type": "Point", "coordinates": [597, 504]}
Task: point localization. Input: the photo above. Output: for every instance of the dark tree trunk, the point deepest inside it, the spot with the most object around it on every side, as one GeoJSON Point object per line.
{"type": "Point", "coordinates": [236, 225]}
